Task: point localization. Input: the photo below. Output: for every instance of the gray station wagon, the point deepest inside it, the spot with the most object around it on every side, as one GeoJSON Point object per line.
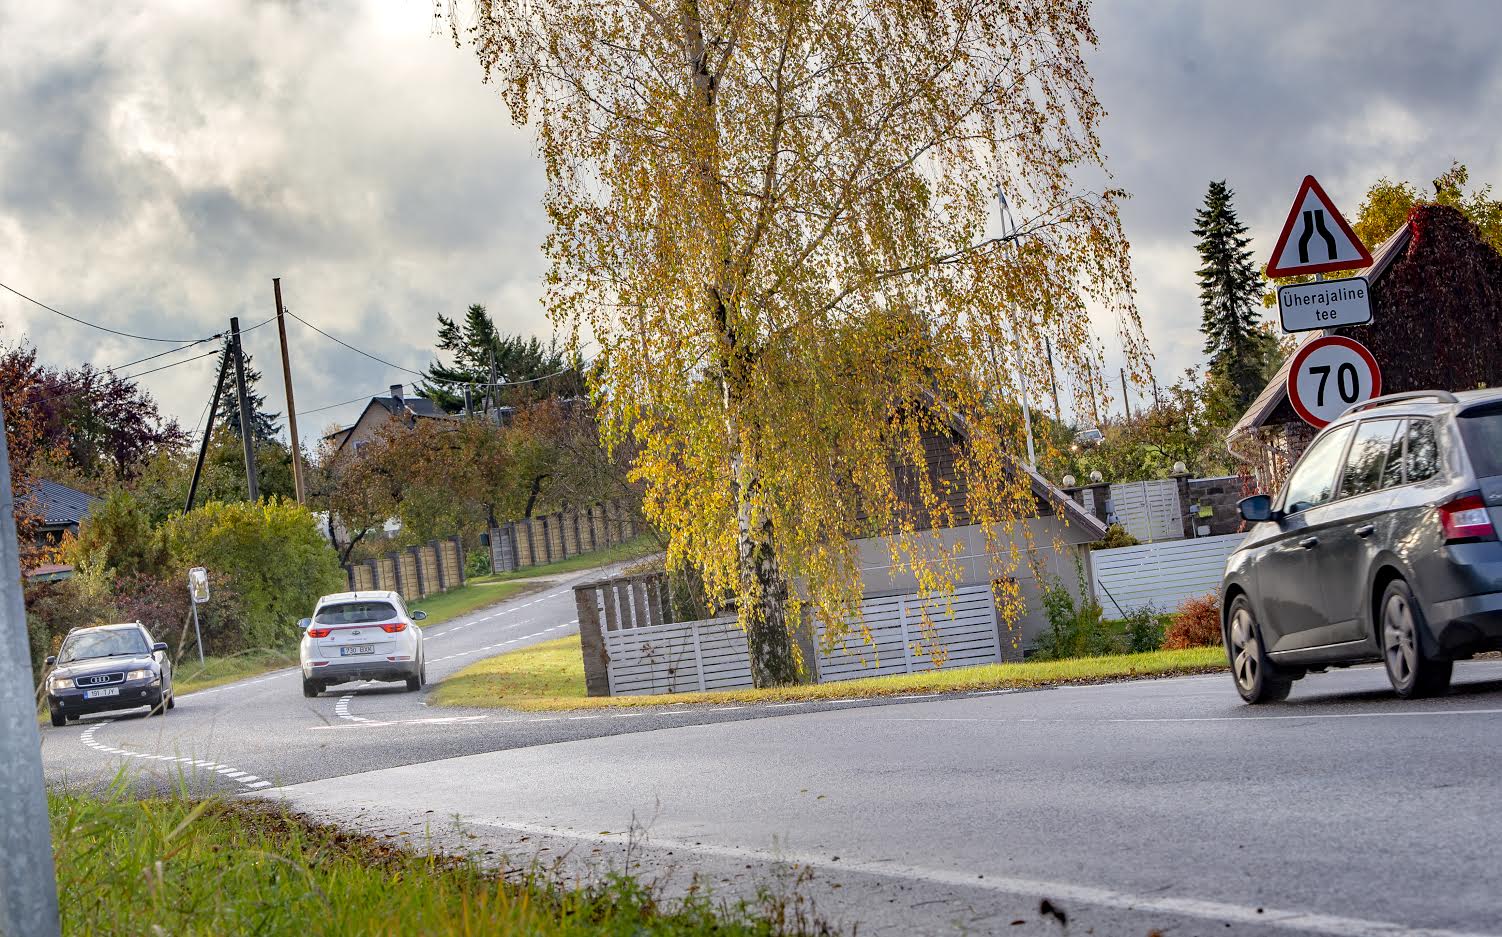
{"type": "Point", "coordinates": [1382, 545]}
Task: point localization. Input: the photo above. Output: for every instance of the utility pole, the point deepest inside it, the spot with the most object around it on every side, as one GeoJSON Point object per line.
{"type": "Point", "coordinates": [1126, 401]}
{"type": "Point", "coordinates": [491, 391]}
{"type": "Point", "coordinates": [28, 885]}
{"type": "Point", "coordinates": [1090, 391]}
{"type": "Point", "coordinates": [252, 486]}
{"type": "Point", "coordinates": [281, 331]}
{"type": "Point", "coordinates": [1053, 381]}
{"type": "Point", "coordinates": [1007, 221]}
{"type": "Point", "coordinates": [208, 431]}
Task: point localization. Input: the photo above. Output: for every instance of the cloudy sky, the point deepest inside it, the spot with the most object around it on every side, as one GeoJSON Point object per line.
{"type": "Point", "coordinates": [160, 161]}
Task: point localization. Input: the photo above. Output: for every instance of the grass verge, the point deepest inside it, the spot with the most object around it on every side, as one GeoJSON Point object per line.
{"type": "Point", "coordinates": [480, 591]}
{"type": "Point", "coordinates": [214, 671]}
{"type": "Point", "coordinates": [174, 866]}
{"type": "Point", "coordinates": [550, 676]}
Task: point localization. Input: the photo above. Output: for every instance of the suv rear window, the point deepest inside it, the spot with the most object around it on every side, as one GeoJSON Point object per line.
{"type": "Point", "coordinates": [355, 613]}
{"type": "Point", "coordinates": [1482, 432]}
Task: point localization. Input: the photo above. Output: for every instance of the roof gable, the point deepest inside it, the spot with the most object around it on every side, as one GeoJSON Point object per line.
{"type": "Point", "coordinates": [61, 505]}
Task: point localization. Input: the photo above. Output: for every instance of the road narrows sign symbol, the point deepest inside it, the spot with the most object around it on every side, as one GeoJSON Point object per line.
{"type": "Point", "coordinates": [1328, 376]}
{"type": "Point", "coordinates": [1316, 238]}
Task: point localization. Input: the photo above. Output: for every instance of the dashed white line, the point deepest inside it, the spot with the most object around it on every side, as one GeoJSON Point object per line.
{"type": "Point", "coordinates": [249, 781]}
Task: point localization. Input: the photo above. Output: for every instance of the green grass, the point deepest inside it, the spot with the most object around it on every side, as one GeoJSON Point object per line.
{"type": "Point", "coordinates": [214, 671]}
{"type": "Point", "coordinates": [480, 591]}
{"type": "Point", "coordinates": [550, 676]}
{"type": "Point", "coordinates": [174, 866]}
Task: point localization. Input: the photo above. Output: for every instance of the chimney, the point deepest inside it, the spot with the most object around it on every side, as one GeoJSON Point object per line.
{"type": "Point", "coordinates": [396, 392]}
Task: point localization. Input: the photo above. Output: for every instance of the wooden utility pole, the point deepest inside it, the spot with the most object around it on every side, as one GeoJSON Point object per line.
{"type": "Point", "coordinates": [281, 331]}
{"type": "Point", "coordinates": [1126, 401]}
{"type": "Point", "coordinates": [1053, 381]}
{"type": "Point", "coordinates": [247, 428]}
{"type": "Point", "coordinates": [208, 431]}
{"type": "Point", "coordinates": [28, 884]}
{"type": "Point", "coordinates": [491, 392]}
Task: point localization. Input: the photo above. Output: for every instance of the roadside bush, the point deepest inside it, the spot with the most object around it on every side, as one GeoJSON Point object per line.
{"type": "Point", "coordinates": [162, 605]}
{"type": "Point", "coordinates": [270, 554]}
{"type": "Point", "coordinates": [477, 562]}
{"type": "Point", "coordinates": [1116, 536]}
{"type": "Point", "coordinates": [1075, 629]}
{"type": "Point", "coordinates": [117, 539]}
{"type": "Point", "coordinates": [1195, 624]}
{"type": "Point", "coordinates": [1143, 629]}
{"type": "Point", "coordinates": [54, 608]}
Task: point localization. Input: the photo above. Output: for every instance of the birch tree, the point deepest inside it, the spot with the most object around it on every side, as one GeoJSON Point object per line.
{"type": "Point", "coordinates": [778, 220]}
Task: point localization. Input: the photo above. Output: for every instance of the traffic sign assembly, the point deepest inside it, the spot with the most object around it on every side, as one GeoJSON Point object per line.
{"type": "Point", "coordinates": [1315, 238]}
{"type": "Point", "coordinates": [1323, 304]}
{"type": "Point", "coordinates": [1328, 376]}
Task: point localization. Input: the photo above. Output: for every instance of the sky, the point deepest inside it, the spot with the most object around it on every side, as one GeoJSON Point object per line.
{"type": "Point", "coordinates": [162, 160]}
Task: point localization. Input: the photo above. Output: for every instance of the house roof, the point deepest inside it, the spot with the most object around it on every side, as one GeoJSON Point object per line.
{"type": "Point", "coordinates": [60, 505]}
{"type": "Point", "coordinates": [417, 406]}
{"type": "Point", "coordinates": [1276, 390]}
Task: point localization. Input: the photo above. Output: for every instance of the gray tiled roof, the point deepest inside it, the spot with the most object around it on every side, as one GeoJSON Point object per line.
{"type": "Point", "coordinates": [61, 505]}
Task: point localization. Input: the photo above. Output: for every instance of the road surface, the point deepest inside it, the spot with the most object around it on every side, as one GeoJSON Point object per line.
{"type": "Point", "coordinates": [1159, 805]}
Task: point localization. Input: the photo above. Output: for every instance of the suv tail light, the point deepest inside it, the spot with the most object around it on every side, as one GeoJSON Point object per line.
{"type": "Point", "coordinates": [319, 632]}
{"type": "Point", "coordinates": [394, 627]}
{"type": "Point", "coordinates": [1466, 518]}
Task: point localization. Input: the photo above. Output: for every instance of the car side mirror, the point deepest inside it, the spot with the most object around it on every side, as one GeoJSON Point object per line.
{"type": "Point", "coordinates": [304, 623]}
{"type": "Point", "coordinates": [419, 615]}
{"type": "Point", "coordinates": [159, 646]}
{"type": "Point", "coordinates": [51, 659]}
{"type": "Point", "coordinates": [1257, 508]}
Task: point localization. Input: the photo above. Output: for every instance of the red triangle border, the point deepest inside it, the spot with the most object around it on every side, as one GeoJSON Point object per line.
{"type": "Point", "coordinates": [1274, 272]}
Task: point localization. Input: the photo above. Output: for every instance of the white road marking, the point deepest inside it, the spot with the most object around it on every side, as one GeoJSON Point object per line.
{"type": "Point", "coordinates": [1385, 714]}
{"type": "Point", "coordinates": [341, 709]}
{"type": "Point", "coordinates": [248, 780]}
{"type": "Point", "coordinates": [1221, 912]}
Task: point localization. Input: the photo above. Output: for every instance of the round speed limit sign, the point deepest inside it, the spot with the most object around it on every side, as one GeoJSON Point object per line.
{"type": "Point", "coordinates": [1330, 375]}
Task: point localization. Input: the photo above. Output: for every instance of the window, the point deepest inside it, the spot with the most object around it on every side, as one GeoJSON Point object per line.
{"type": "Point", "coordinates": [1392, 473]}
{"type": "Point", "coordinates": [1368, 457]}
{"type": "Point", "coordinates": [1313, 479]}
{"type": "Point", "coordinates": [355, 613]}
{"type": "Point", "coordinates": [124, 642]}
{"type": "Point", "coordinates": [1482, 431]}
{"type": "Point", "coordinates": [1423, 451]}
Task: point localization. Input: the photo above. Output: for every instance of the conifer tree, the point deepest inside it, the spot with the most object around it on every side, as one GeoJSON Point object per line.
{"type": "Point", "coordinates": [1230, 291]}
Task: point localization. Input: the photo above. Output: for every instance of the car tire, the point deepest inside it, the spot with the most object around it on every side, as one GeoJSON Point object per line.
{"type": "Point", "coordinates": [58, 719]}
{"type": "Point", "coordinates": [171, 700]}
{"type": "Point", "coordinates": [1257, 679]}
{"type": "Point", "coordinates": [1413, 673]}
{"type": "Point", "coordinates": [414, 682]}
{"type": "Point", "coordinates": [311, 688]}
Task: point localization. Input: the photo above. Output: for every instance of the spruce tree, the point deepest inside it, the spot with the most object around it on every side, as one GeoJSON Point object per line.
{"type": "Point", "coordinates": [1230, 289]}
{"type": "Point", "coordinates": [263, 423]}
{"type": "Point", "coordinates": [516, 358]}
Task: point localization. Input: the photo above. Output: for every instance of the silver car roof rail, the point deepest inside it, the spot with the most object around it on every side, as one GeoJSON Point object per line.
{"type": "Point", "coordinates": [1443, 396]}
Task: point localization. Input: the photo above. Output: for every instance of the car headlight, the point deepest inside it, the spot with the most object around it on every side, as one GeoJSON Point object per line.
{"type": "Point", "coordinates": [62, 683]}
{"type": "Point", "coordinates": [139, 675]}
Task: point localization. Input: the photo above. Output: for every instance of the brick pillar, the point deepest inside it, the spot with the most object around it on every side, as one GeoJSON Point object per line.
{"type": "Point", "coordinates": [1182, 478]}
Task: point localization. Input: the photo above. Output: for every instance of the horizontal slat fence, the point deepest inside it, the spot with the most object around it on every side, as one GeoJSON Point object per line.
{"type": "Point", "coordinates": [1149, 510]}
{"type": "Point", "coordinates": [962, 633]}
{"type": "Point", "coordinates": [1160, 575]}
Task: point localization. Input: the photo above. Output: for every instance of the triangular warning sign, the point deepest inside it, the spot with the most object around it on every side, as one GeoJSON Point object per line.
{"type": "Point", "coordinates": [1315, 238]}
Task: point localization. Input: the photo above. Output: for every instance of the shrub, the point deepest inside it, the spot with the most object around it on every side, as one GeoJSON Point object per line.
{"type": "Point", "coordinates": [271, 556]}
{"type": "Point", "coordinates": [1195, 624]}
{"type": "Point", "coordinates": [1116, 536]}
{"type": "Point", "coordinates": [162, 605]}
{"type": "Point", "coordinates": [1143, 629]}
{"type": "Point", "coordinates": [117, 539]}
{"type": "Point", "coordinates": [1075, 629]}
{"type": "Point", "coordinates": [477, 562]}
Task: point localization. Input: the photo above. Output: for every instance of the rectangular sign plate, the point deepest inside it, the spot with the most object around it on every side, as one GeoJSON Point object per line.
{"type": "Point", "coordinates": [1324, 304]}
{"type": "Point", "coordinates": [349, 650]}
{"type": "Point", "coordinates": [96, 694]}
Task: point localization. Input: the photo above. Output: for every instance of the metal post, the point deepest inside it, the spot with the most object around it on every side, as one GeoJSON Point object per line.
{"type": "Point", "coordinates": [252, 487]}
{"type": "Point", "coordinates": [281, 331]}
{"type": "Point", "coordinates": [208, 431]}
{"type": "Point", "coordinates": [196, 632]}
{"type": "Point", "coordinates": [28, 886]}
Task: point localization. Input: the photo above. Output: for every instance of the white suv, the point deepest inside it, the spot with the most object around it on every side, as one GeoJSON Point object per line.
{"type": "Point", "coordinates": [361, 636]}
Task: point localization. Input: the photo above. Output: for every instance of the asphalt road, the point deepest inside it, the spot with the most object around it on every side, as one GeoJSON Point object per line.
{"type": "Point", "coordinates": [1161, 805]}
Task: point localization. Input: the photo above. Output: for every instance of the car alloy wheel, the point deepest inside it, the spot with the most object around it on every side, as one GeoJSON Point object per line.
{"type": "Point", "coordinates": [1412, 673]}
{"type": "Point", "coordinates": [1256, 680]}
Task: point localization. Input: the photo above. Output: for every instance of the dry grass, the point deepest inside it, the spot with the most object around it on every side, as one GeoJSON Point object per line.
{"type": "Point", "coordinates": [550, 676]}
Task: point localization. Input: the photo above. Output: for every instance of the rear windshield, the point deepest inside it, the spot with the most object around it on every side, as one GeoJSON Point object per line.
{"type": "Point", "coordinates": [126, 642]}
{"type": "Point", "coordinates": [1482, 431]}
{"type": "Point", "coordinates": [355, 613]}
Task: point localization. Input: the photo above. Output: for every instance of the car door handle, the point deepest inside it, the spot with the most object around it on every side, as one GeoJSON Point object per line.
{"type": "Point", "coordinates": [1309, 543]}
{"type": "Point", "coordinates": [1365, 530]}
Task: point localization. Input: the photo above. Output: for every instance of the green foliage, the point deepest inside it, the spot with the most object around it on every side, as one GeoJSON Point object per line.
{"type": "Point", "coordinates": [174, 866]}
{"type": "Point", "coordinates": [1116, 536]}
{"type": "Point", "coordinates": [272, 555]}
{"type": "Point", "coordinates": [117, 539]}
{"type": "Point", "coordinates": [1143, 629]}
{"type": "Point", "coordinates": [1077, 627]}
{"type": "Point", "coordinates": [477, 345]}
{"type": "Point", "coordinates": [1230, 285]}
{"type": "Point", "coordinates": [55, 608]}
{"type": "Point", "coordinates": [477, 563]}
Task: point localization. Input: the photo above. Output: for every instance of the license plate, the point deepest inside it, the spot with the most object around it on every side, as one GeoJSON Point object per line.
{"type": "Point", "coordinates": [350, 650]}
{"type": "Point", "coordinates": [96, 694]}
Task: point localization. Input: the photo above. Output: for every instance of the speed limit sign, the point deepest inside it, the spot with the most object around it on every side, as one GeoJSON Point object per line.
{"type": "Point", "coordinates": [1330, 375]}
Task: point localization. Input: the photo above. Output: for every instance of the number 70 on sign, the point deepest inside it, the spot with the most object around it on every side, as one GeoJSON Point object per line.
{"type": "Point", "coordinates": [1329, 375]}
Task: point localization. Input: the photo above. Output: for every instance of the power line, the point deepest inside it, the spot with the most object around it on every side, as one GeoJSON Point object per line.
{"type": "Point", "coordinates": [358, 351]}
{"type": "Point", "coordinates": [102, 328]}
{"type": "Point", "coordinates": [132, 377]}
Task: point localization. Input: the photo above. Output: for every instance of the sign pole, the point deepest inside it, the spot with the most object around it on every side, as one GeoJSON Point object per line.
{"type": "Point", "coordinates": [198, 593]}
{"type": "Point", "coordinates": [28, 885]}
{"type": "Point", "coordinates": [198, 635]}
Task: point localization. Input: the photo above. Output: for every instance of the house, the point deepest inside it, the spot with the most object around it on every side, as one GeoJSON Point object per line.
{"type": "Point", "coordinates": [381, 411]}
{"type": "Point", "coordinates": [62, 509]}
{"type": "Point", "coordinates": [1436, 292]}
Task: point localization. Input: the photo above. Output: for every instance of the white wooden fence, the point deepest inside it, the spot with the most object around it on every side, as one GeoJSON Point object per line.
{"type": "Point", "coordinates": [689, 656]}
{"type": "Point", "coordinates": [1161, 574]}
{"type": "Point", "coordinates": [1149, 510]}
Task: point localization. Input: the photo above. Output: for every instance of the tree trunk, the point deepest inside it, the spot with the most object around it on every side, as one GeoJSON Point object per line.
{"type": "Point", "coordinates": [769, 633]}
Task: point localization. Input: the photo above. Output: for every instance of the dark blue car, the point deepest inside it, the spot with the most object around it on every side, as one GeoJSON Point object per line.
{"type": "Point", "coordinates": [1382, 545]}
{"type": "Point", "coordinates": [107, 668]}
